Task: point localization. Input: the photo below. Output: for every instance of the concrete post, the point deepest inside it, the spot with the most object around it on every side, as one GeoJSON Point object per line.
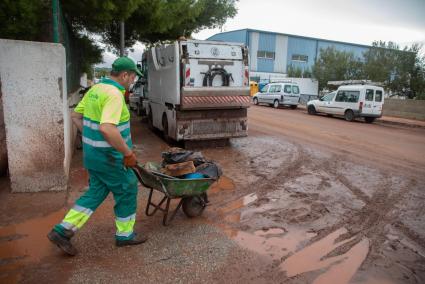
{"type": "Point", "coordinates": [35, 105]}
{"type": "Point", "coordinates": [3, 148]}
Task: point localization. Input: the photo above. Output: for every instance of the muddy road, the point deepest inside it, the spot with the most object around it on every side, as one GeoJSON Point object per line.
{"type": "Point", "coordinates": [303, 199]}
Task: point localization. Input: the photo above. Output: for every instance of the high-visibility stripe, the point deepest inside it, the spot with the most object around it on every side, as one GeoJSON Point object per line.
{"type": "Point", "coordinates": [125, 219]}
{"type": "Point", "coordinates": [101, 144]}
{"type": "Point", "coordinates": [76, 217]}
{"type": "Point", "coordinates": [95, 126]}
{"type": "Point", "coordinates": [82, 209]}
{"type": "Point", "coordinates": [125, 225]}
{"type": "Point", "coordinates": [69, 226]}
{"type": "Point", "coordinates": [124, 234]}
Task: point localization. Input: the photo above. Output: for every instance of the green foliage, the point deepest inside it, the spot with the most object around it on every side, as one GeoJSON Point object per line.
{"type": "Point", "coordinates": [23, 19]}
{"type": "Point", "coordinates": [298, 72]}
{"type": "Point", "coordinates": [402, 71]}
{"type": "Point", "coordinates": [160, 20]}
{"type": "Point", "coordinates": [334, 65]}
{"type": "Point", "coordinates": [90, 53]}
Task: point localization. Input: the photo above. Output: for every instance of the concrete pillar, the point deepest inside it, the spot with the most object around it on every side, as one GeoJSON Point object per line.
{"type": "Point", "coordinates": [3, 148]}
{"type": "Point", "coordinates": [36, 113]}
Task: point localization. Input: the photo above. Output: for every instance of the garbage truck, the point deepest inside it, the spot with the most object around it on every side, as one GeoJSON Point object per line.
{"type": "Point", "coordinates": [197, 90]}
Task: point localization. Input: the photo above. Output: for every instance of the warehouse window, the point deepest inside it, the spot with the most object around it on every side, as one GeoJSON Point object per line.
{"type": "Point", "coordinates": [299, 57]}
{"type": "Point", "coordinates": [265, 54]}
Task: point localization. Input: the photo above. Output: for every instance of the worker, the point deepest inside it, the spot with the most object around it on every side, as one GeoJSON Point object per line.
{"type": "Point", "coordinates": [104, 120]}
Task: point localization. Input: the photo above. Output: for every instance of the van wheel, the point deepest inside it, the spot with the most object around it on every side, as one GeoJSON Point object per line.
{"type": "Point", "coordinates": [294, 106]}
{"type": "Point", "coordinates": [165, 128]}
{"type": "Point", "coordinates": [311, 110]}
{"type": "Point", "coordinates": [349, 115]}
{"type": "Point", "coordinates": [369, 119]}
{"type": "Point", "coordinates": [276, 104]}
{"type": "Point", "coordinates": [255, 101]}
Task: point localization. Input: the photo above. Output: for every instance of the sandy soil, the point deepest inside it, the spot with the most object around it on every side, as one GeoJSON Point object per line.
{"type": "Point", "coordinates": [304, 199]}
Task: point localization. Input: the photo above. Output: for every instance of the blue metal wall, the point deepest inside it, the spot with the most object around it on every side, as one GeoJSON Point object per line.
{"type": "Point", "coordinates": [233, 36]}
{"type": "Point", "coordinates": [357, 50]}
{"type": "Point", "coordinates": [301, 46]}
{"type": "Point", "coordinates": [296, 45]}
{"type": "Point", "coordinates": [267, 42]}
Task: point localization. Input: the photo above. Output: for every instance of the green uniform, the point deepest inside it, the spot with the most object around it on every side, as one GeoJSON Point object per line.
{"type": "Point", "coordinates": [105, 103]}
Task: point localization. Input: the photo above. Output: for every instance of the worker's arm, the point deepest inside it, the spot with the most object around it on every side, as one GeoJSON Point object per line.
{"type": "Point", "coordinates": [113, 136]}
{"type": "Point", "coordinates": [77, 119]}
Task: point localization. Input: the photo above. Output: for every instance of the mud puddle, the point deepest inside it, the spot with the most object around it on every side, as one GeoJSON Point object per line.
{"type": "Point", "coordinates": [25, 243]}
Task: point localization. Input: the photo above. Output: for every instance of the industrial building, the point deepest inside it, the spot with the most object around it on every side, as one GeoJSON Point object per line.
{"type": "Point", "coordinates": [271, 54]}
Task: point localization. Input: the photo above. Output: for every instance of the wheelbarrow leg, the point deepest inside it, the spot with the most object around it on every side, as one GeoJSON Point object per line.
{"type": "Point", "coordinates": [166, 221]}
{"type": "Point", "coordinates": [156, 206]}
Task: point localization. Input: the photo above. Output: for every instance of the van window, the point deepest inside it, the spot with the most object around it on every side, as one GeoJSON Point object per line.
{"type": "Point", "coordinates": [347, 96]}
{"type": "Point", "coordinates": [278, 88]}
{"type": "Point", "coordinates": [329, 97]}
{"type": "Point", "coordinates": [264, 89]}
{"type": "Point", "coordinates": [378, 97]}
{"type": "Point", "coordinates": [369, 95]}
{"type": "Point", "coordinates": [295, 90]}
{"type": "Point", "coordinates": [287, 89]}
{"type": "Point", "coordinates": [272, 89]}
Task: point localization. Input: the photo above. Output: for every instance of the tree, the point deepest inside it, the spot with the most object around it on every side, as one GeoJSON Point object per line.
{"type": "Point", "coordinates": [148, 21]}
{"type": "Point", "coordinates": [335, 65]}
{"type": "Point", "coordinates": [401, 71]}
{"type": "Point", "coordinates": [24, 19]}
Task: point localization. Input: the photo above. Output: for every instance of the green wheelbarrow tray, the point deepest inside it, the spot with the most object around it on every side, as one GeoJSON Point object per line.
{"type": "Point", "coordinates": [192, 192]}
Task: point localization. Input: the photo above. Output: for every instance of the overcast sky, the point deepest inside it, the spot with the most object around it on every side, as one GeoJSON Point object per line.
{"type": "Point", "coordinates": [356, 21]}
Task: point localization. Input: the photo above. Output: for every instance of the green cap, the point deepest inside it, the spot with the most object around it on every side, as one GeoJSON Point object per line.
{"type": "Point", "coordinates": [125, 64]}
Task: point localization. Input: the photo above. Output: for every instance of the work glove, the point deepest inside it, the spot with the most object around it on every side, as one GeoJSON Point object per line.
{"type": "Point", "coordinates": [130, 160]}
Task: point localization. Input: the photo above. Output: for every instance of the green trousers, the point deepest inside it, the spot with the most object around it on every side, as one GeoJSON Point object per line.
{"type": "Point", "coordinates": [123, 185]}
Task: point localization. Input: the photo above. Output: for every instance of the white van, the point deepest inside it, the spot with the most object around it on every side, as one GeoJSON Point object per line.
{"type": "Point", "coordinates": [351, 101]}
{"type": "Point", "coordinates": [277, 94]}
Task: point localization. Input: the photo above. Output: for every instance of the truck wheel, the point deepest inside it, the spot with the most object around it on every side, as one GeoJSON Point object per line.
{"type": "Point", "coordinates": [276, 104]}
{"type": "Point", "coordinates": [139, 110]}
{"type": "Point", "coordinates": [193, 206]}
{"type": "Point", "coordinates": [311, 110]}
{"type": "Point", "coordinates": [369, 119]}
{"type": "Point", "coordinates": [349, 115]}
{"type": "Point", "coordinates": [165, 128]}
{"type": "Point", "coordinates": [150, 119]}
{"type": "Point", "coordinates": [294, 106]}
{"type": "Point", "coordinates": [255, 101]}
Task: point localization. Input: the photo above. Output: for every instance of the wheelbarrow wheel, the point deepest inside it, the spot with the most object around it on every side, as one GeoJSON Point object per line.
{"type": "Point", "coordinates": [193, 206]}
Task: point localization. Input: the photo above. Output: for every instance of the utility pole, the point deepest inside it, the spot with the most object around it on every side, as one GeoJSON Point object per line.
{"type": "Point", "coordinates": [122, 39]}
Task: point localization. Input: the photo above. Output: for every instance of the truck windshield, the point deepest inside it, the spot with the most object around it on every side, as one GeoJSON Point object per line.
{"type": "Point", "coordinates": [295, 90]}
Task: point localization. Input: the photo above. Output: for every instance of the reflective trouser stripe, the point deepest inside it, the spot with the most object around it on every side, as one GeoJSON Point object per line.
{"type": "Point", "coordinates": [125, 225]}
{"type": "Point", "coordinates": [76, 218]}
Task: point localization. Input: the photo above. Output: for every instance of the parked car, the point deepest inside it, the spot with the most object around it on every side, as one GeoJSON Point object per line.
{"type": "Point", "coordinates": [351, 101]}
{"type": "Point", "coordinates": [278, 94]}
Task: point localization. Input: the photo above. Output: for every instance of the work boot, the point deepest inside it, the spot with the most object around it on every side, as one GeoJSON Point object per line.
{"type": "Point", "coordinates": [137, 240]}
{"type": "Point", "coordinates": [62, 242]}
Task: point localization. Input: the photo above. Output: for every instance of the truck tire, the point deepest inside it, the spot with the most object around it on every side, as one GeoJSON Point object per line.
{"type": "Point", "coordinates": [276, 104]}
{"type": "Point", "coordinates": [311, 110]}
{"type": "Point", "coordinates": [139, 110]}
{"type": "Point", "coordinates": [255, 101]}
{"type": "Point", "coordinates": [165, 129]}
{"type": "Point", "coordinates": [369, 119]}
{"type": "Point", "coordinates": [349, 115]}
{"type": "Point", "coordinates": [150, 119]}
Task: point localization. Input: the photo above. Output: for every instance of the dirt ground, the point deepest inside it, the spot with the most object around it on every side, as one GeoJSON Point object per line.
{"type": "Point", "coordinates": [304, 199]}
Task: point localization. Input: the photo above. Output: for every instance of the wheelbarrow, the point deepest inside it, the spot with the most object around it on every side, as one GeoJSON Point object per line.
{"type": "Point", "coordinates": [191, 192]}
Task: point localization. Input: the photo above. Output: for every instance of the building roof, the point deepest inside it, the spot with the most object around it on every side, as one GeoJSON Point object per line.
{"type": "Point", "coordinates": [291, 35]}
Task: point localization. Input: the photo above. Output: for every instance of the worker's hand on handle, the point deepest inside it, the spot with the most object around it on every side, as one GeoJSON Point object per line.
{"type": "Point", "coordinates": [130, 160]}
